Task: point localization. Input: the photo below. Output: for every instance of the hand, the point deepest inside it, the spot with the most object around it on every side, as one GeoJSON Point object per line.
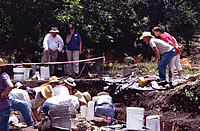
{"type": "Point", "coordinates": [46, 50]}
{"type": "Point", "coordinates": [71, 32]}
{"type": "Point", "coordinates": [4, 96]}
{"type": "Point", "coordinates": [158, 61]}
{"type": "Point", "coordinates": [180, 46]}
{"type": "Point", "coordinates": [80, 52]}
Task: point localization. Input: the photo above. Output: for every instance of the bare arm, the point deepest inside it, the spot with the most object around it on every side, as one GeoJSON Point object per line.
{"type": "Point", "coordinates": [33, 116]}
{"type": "Point", "coordinates": [80, 46]}
{"type": "Point", "coordinates": [69, 38]}
{"type": "Point", "coordinates": [156, 51]}
{"type": "Point", "coordinates": [4, 94]}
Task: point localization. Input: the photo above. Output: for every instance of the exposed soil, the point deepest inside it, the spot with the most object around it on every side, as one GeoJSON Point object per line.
{"type": "Point", "coordinates": [177, 109]}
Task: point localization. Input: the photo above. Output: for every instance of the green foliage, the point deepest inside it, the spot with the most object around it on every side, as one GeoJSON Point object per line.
{"type": "Point", "coordinates": [128, 59]}
{"type": "Point", "coordinates": [189, 94]}
{"type": "Point", "coordinates": [105, 26]}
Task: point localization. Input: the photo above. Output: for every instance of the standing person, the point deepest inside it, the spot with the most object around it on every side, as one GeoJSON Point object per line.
{"type": "Point", "coordinates": [52, 44]}
{"type": "Point", "coordinates": [74, 47]}
{"type": "Point", "coordinates": [176, 59]}
{"type": "Point", "coordinates": [5, 87]}
{"type": "Point", "coordinates": [160, 48]}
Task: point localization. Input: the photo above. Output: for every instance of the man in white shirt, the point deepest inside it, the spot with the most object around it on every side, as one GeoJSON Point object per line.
{"type": "Point", "coordinates": [160, 48]}
{"type": "Point", "coordinates": [52, 44]}
{"type": "Point", "coordinates": [57, 88]}
{"type": "Point", "coordinates": [70, 100]}
{"type": "Point", "coordinates": [20, 101]}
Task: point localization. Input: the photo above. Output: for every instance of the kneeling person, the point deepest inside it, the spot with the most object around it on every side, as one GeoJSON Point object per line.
{"type": "Point", "coordinates": [104, 106]}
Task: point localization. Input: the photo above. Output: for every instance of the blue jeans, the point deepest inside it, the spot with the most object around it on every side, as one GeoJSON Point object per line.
{"type": "Point", "coordinates": [22, 106]}
{"type": "Point", "coordinates": [45, 107]}
{"type": "Point", "coordinates": [164, 62]}
{"type": "Point", "coordinates": [107, 111]}
{"type": "Point", "coordinates": [4, 119]}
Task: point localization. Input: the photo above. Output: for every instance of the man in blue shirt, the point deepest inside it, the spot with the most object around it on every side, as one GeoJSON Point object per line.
{"type": "Point", "coordinates": [74, 47]}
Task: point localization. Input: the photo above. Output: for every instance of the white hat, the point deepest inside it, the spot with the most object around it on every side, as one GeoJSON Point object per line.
{"type": "Point", "coordinates": [18, 85]}
{"type": "Point", "coordinates": [145, 34]}
{"type": "Point", "coordinates": [54, 30]}
{"type": "Point", "coordinates": [70, 81]}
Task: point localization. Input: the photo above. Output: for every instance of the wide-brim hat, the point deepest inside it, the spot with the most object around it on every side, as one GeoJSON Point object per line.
{"type": "Point", "coordinates": [1, 62]}
{"type": "Point", "coordinates": [47, 91]}
{"type": "Point", "coordinates": [146, 34]}
{"type": "Point", "coordinates": [70, 81]}
{"type": "Point", "coordinates": [54, 30]}
{"type": "Point", "coordinates": [102, 93]}
{"type": "Point", "coordinates": [83, 97]}
{"type": "Point", "coordinates": [53, 79]}
{"type": "Point", "coordinates": [18, 85]}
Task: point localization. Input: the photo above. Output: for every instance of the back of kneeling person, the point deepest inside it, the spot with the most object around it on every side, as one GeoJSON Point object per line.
{"type": "Point", "coordinates": [104, 106]}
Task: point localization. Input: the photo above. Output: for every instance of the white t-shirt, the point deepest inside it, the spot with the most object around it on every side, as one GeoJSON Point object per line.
{"type": "Point", "coordinates": [53, 43]}
{"type": "Point", "coordinates": [162, 46]}
{"type": "Point", "coordinates": [21, 95]}
{"type": "Point", "coordinates": [60, 90]}
{"type": "Point", "coordinates": [71, 100]}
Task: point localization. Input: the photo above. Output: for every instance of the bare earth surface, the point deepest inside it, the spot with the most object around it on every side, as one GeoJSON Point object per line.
{"type": "Point", "coordinates": [176, 109]}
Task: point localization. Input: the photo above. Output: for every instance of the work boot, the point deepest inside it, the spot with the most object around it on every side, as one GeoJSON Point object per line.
{"type": "Point", "coordinates": [162, 82]}
{"type": "Point", "coordinates": [171, 85]}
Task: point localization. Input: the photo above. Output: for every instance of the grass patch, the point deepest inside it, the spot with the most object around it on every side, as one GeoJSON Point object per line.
{"type": "Point", "coordinates": [145, 68]}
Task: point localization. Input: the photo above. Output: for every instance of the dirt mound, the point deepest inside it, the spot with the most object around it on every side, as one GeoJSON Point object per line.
{"type": "Point", "coordinates": [178, 107]}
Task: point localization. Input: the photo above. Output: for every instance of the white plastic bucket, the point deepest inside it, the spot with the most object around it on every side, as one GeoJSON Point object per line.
{"type": "Point", "coordinates": [83, 111]}
{"type": "Point", "coordinates": [134, 118]}
{"type": "Point", "coordinates": [44, 72]}
{"type": "Point", "coordinates": [153, 123]}
{"type": "Point", "coordinates": [90, 115]}
{"type": "Point", "coordinates": [18, 74]}
{"type": "Point", "coordinates": [21, 74]}
{"type": "Point", "coordinates": [26, 73]}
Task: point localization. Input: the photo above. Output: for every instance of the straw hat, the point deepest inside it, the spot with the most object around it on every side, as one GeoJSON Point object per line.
{"type": "Point", "coordinates": [145, 34]}
{"type": "Point", "coordinates": [70, 81]}
{"type": "Point", "coordinates": [47, 91]}
{"type": "Point", "coordinates": [53, 79]}
{"type": "Point", "coordinates": [1, 62]}
{"type": "Point", "coordinates": [102, 93]}
{"type": "Point", "coordinates": [83, 97]}
{"type": "Point", "coordinates": [18, 85]}
{"type": "Point", "coordinates": [54, 30]}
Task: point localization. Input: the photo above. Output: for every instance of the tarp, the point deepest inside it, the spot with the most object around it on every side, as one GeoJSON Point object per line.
{"type": "Point", "coordinates": [130, 82]}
